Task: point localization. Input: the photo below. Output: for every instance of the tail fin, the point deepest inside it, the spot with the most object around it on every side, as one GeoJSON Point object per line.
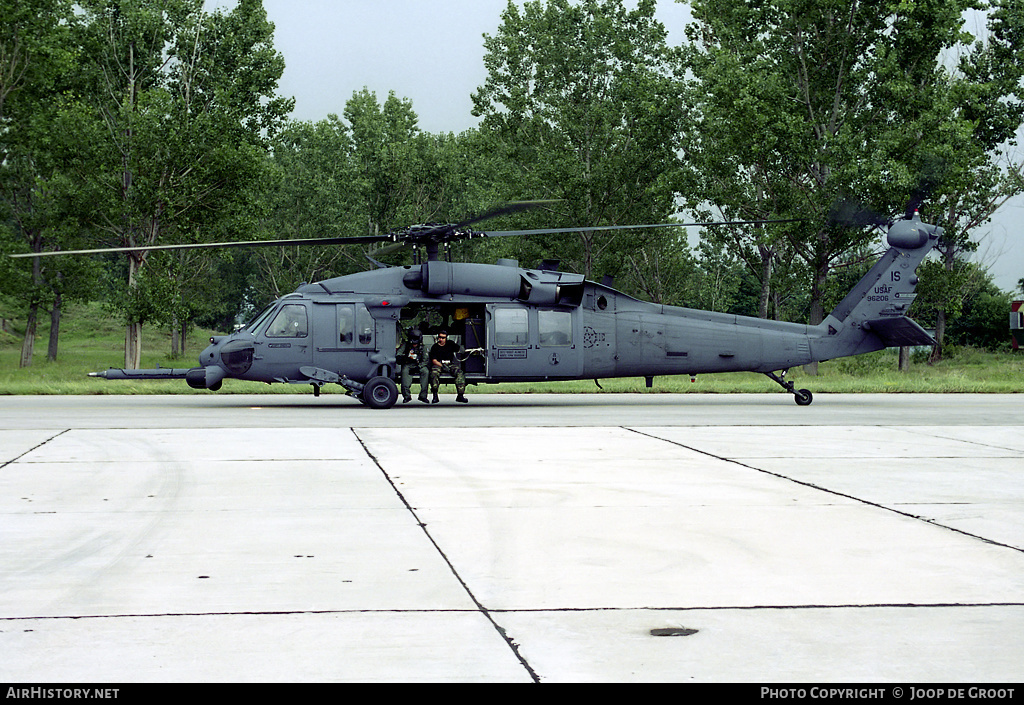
{"type": "Point", "coordinates": [873, 314]}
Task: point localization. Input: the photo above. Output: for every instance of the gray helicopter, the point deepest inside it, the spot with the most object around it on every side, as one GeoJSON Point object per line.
{"type": "Point", "coordinates": [525, 325]}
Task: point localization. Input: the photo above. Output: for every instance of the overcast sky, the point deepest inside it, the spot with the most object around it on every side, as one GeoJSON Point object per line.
{"type": "Point", "coordinates": [431, 52]}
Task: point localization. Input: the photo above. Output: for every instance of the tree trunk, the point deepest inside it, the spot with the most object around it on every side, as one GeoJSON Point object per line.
{"type": "Point", "coordinates": [588, 255]}
{"type": "Point", "coordinates": [133, 332]}
{"type": "Point", "coordinates": [948, 254]}
{"type": "Point", "coordinates": [28, 345]}
{"type": "Point", "coordinates": [766, 280]}
{"type": "Point", "coordinates": [817, 313]}
{"type": "Point", "coordinates": [179, 334]}
{"type": "Point", "coordinates": [51, 349]}
{"type": "Point", "coordinates": [904, 364]}
{"type": "Point", "coordinates": [133, 346]}
{"type": "Point", "coordinates": [183, 333]}
{"type": "Point", "coordinates": [940, 335]}
{"type": "Point", "coordinates": [777, 305]}
{"type": "Point", "coordinates": [175, 340]}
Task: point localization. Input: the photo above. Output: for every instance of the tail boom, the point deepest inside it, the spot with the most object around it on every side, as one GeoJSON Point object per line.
{"type": "Point", "coordinates": [873, 315]}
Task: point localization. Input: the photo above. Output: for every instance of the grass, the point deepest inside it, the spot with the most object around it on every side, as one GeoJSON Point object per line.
{"type": "Point", "coordinates": [964, 371]}
{"type": "Point", "coordinates": [92, 340]}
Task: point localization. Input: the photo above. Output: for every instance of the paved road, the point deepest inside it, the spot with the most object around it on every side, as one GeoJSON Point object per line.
{"type": "Point", "coordinates": [303, 410]}
{"type": "Point", "coordinates": [874, 538]}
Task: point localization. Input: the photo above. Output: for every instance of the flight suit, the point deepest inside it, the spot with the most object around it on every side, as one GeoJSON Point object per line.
{"type": "Point", "coordinates": [413, 362]}
{"type": "Point", "coordinates": [445, 354]}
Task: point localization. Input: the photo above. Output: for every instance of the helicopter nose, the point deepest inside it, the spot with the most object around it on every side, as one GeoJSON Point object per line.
{"type": "Point", "coordinates": [235, 356]}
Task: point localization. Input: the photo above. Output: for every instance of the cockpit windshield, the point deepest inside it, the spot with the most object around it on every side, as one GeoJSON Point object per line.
{"type": "Point", "coordinates": [260, 317]}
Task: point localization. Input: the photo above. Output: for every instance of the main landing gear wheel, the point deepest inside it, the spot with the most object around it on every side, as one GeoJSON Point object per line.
{"type": "Point", "coordinates": [380, 393]}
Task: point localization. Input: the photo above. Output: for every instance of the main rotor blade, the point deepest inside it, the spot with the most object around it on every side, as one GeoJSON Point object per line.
{"type": "Point", "coordinates": [448, 232]}
{"type": "Point", "coordinates": [512, 207]}
{"type": "Point", "coordinates": [446, 229]}
{"type": "Point", "coordinates": [933, 174]}
{"type": "Point", "coordinates": [596, 228]}
{"type": "Point", "coordinates": [355, 240]}
{"type": "Point", "coordinates": [850, 213]}
{"type": "Point", "coordinates": [388, 249]}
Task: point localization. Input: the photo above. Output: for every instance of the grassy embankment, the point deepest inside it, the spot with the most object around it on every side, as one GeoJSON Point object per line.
{"type": "Point", "coordinates": [92, 340]}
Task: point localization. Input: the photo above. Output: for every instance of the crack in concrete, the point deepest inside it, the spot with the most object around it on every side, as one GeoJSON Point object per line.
{"type": "Point", "coordinates": [419, 522]}
{"type": "Point", "coordinates": [524, 610]}
{"type": "Point", "coordinates": [826, 489]}
{"type": "Point", "coordinates": [34, 448]}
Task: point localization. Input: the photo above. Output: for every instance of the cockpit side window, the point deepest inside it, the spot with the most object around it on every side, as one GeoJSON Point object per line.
{"type": "Point", "coordinates": [290, 322]}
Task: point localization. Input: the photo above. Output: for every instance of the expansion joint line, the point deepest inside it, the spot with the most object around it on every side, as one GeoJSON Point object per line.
{"type": "Point", "coordinates": [827, 490]}
{"type": "Point", "coordinates": [34, 448]}
{"type": "Point", "coordinates": [483, 610]}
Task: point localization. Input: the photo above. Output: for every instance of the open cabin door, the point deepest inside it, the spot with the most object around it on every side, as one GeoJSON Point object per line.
{"type": "Point", "coordinates": [530, 342]}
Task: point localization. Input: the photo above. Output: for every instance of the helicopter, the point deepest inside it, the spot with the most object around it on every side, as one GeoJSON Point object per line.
{"type": "Point", "coordinates": [516, 324]}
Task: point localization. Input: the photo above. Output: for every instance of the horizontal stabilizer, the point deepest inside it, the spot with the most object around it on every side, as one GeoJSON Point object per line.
{"type": "Point", "coordinates": [900, 331]}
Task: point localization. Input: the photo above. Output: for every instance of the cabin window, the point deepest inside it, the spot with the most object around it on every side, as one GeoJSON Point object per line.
{"type": "Point", "coordinates": [355, 326]}
{"type": "Point", "coordinates": [554, 327]}
{"type": "Point", "coordinates": [364, 326]}
{"type": "Point", "coordinates": [346, 325]}
{"type": "Point", "coordinates": [290, 322]}
{"type": "Point", "coordinates": [511, 327]}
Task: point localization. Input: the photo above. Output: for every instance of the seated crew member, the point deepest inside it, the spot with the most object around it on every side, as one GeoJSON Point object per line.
{"type": "Point", "coordinates": [442, 359]}
{"type": "Point", "coordinates": [413, 362]}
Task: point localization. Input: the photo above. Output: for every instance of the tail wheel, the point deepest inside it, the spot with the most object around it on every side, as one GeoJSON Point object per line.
{"type": "Point", "coordinates": [803, 397]}
{"type": "Point", "coordinates": [380, 393]}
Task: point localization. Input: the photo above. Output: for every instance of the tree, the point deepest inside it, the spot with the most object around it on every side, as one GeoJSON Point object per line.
{"type": "Point", "coordinates": [393, 162]}
{"type": "Point", "coordinates": [973, 181]}
{"type": "Point", "coordinates": [36, 72]}
{"type": "Point", "coordinates": [182, 104]}
{"type": "Point", "coordinates": [845, 98]}
{"type": "Point", "coordinates": [369, 173]}
{"type": "Point", "coordinates": [582, 98]}
{"type": "Point", "coordinates": [970, 198]}
{"type": "Point", "coordinates": [33, 51]}
{"type": "Point", "coordinates": [982, 320]}
{"type": "Point", "coordinates": [665, 271]}
{"type": "Point", "coordinates": [315, 195]}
